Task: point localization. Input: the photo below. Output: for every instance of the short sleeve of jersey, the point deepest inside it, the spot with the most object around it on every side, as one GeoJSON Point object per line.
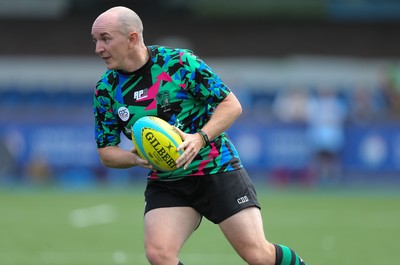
{"type": "Point", "coordinates": [107, 132]}
{"type": "Point", "coordinates": [202, 82]}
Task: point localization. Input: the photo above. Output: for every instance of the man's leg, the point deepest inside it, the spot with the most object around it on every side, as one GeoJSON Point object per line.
{"type": "Point", "coordinates": [285, 255]}
{"type": "Point", "coordinates": [245, 232]}
{"type": "Point", "coordinates": [165, 232]}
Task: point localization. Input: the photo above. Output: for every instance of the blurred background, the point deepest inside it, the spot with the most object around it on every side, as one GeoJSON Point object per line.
{"type": "Point", "coordinates": [319, 81]}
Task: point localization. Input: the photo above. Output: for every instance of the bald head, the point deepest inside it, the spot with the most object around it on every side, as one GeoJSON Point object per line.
{"type": "Point", "coordinates": [122, 19]}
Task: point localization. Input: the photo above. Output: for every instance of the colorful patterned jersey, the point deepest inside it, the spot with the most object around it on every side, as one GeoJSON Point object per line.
{"type": "Point", "coordinates": [175, 85]}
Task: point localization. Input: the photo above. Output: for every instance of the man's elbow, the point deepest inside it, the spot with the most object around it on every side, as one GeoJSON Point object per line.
{"type": "Point", "coordinates": [239, 110]}
{"type": "Point", "coordinates": [235, 105]}
{"type": "Point", "coordinates": [104, 158]}
{"type": "Point", "coordinates": [104, 162]}
{"type": "Point", "coordinates": [236, 110]}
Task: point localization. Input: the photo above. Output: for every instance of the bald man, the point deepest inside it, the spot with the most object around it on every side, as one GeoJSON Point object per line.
{"type": "Point", "coordinates": [210, 181]}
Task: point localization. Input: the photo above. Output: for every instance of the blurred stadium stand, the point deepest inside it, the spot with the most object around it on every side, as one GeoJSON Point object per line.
{"type": "Point", "coordinates": [214, 28]}
{"type": "Point", "coordinates": [264, 50]}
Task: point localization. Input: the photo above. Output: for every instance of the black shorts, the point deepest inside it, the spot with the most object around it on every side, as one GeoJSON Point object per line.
{"type": "Point", "coordinates": [215, 197]}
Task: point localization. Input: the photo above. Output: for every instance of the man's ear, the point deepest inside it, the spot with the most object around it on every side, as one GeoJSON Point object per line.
{"type": "Point", "coordinates": [133, 38]}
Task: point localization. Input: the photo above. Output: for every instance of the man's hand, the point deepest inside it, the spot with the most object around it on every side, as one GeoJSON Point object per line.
{"type": "Point", "coordinates": [139, 161]}
{"type": "Point", "coordinates": [192, 143]}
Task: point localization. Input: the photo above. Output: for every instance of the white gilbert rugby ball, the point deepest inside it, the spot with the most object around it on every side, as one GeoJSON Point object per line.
{"type": "Point", "coordinates": [156, 141]}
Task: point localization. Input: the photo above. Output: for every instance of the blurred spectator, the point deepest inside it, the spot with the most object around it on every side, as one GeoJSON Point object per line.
{"type": "Point", "coordinates": [367, 105]}
{"type": "Point", "coordinates": [326, 114]}
{"type": "Point", "coordinates": [38, 171]}
{"type": "Point", "coordinates": [390, 87]}
{"type": "Point", "coordinates": [8, 165]}
{"type": "Point", "coordinates": [290, 105]}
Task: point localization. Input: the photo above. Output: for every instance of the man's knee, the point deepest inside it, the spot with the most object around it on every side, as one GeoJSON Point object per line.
{"type": "Point", "coordinates": [156, 256]}
{"type": "Point", "coordinates": [259, 256]}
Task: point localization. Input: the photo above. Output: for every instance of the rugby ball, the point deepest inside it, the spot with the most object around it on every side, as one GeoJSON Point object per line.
{"type": "Point", "coordinates": [156, 141]}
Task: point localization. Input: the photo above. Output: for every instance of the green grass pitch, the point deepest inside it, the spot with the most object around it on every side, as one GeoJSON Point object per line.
{"type": "Point", "coordinates": [104, 227]}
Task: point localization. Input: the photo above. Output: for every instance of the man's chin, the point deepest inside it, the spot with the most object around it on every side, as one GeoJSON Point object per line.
{"type": "Point", "coordinates": [110, 66]}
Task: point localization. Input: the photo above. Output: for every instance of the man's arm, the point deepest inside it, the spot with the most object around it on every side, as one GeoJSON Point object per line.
{"type": "Point", "coordinates": [223, 117]}
{"type": "Point", "coordinates": [115, 157]}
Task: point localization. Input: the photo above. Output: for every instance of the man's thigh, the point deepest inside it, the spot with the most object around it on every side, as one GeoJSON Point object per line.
{"type": "Point", "coordinates": [244, 229]}
{"type": "Point", "coordinates": [168, 228]}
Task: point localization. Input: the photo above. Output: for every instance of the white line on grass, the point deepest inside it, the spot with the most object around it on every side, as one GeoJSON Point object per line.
{"type": "Point", "coordinates": [117, 257]}
{"type": "Point", "coordinates": [95, 215]}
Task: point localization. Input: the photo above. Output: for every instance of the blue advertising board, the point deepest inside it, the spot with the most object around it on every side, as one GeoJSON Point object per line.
{"type": "Point", "coordinates": [371, 149]}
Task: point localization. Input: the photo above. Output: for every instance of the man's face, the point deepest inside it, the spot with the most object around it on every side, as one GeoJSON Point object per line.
{"type": "Point", "coordinates": [111, 45]}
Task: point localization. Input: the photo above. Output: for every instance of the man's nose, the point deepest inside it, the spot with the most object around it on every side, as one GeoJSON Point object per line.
{"type": "Point", "coordinates": [99, 47]}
